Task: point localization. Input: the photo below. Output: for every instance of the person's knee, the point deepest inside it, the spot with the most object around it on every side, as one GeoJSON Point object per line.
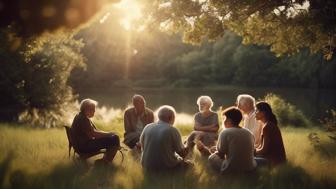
{"type": "Point", "coordinates": [192, 136]}
{"type": "Point", "coordinates": [215, 162]}
{"type": "Point", "coordinates": [114, 140]}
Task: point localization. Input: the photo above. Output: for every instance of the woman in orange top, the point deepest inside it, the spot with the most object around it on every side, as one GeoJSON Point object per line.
{"type": "Point", "coordinates": [271, 147]}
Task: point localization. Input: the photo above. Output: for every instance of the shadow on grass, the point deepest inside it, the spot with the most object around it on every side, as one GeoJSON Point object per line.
{"type": "Point", "coordinates": [285, 176]}
{"type": "Point", "coordinates": [4, 168]}
{"type": "Point", "coordinates": [327, 150]}
{"type": "Point", "coordinates": [70, 175]}
{"type": "Point", "coordinates": [78, 175]}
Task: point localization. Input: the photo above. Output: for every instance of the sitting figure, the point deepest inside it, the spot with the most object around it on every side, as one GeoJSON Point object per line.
{"type": "Point", "coordinates": [235, 146]}
{"type": "Point", "coordinates": [87, 138]}
{"type": "Point", "coordinates": [271, 147]}
{"type": "Point", "coordinates": [205, 127]}
{"type": "Point", "coordinates": [246, 103]}
{"type": "Point", "coordinates": [161, 143]}
{"type": "Point", "coordinates": [135, 119]}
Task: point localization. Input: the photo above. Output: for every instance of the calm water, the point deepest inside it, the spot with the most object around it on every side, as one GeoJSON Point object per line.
{"type": "Point", "coordinates": [313, 103]}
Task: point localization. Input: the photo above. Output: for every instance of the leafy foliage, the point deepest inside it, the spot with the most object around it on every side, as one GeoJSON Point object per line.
{"type": "Point", "coordinates": [162, 60]}
{"type": "Point", "coordinates": [285, 26]}
{"type": "Point", "coordinates": [330, 123]}
{"type": "Point", "coordinates": [34, 78]}
{"type": "Point", "coordinates": [286, 113]}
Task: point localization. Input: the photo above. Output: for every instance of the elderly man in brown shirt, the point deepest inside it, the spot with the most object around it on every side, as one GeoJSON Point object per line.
{"type": "Point", "coordinates": [135, 119]}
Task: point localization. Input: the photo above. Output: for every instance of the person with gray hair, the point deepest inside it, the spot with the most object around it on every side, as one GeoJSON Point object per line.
{"type": "Point", "coordinates": [161, 143]}
{"type": "Point", "coordinates": [87, 138]}
{"type": "Point", "coordinates": [246, 103]}
{"type": "Point", "coordinates": [205, 127]}
{"type": "Point", "coordinates": [135, 119]}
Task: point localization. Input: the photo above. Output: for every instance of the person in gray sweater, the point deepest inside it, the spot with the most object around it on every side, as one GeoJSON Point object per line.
{"type": "Point", "coordinates": [235, 146]}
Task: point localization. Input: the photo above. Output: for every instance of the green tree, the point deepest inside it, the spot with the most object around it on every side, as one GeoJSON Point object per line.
{"type": "Point", "coordinates": [286, 26]}
{"type": "Point", "coordinates": [34, 77]}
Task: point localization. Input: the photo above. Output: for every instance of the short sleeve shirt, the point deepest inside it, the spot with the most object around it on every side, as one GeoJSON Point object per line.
{"type": "Point", "coordinates": [205, 121]}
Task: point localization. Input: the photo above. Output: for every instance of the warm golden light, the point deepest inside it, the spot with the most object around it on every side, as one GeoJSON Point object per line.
{"type": "Point", "coordinates": [132, 11]}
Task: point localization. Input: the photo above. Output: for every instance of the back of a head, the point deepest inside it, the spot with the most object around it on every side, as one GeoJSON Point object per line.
{"type": "Point", "coordinates": [266, 108]}
{"type": "Point", "coordinates": [166, 113]}
{"type": "Point", "coordinates": [87, 103]}
{"type": "Point", "coordinates": [234, 114]}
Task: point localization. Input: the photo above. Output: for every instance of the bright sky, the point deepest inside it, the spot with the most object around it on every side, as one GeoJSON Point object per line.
{"type": "Point", "coordinates": [132, 11]}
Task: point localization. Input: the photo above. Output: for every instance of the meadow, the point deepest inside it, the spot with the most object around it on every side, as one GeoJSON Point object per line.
{"type": "Point", "coordinates": [38, 158]}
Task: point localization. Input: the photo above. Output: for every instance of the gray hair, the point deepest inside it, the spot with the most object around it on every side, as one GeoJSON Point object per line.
{"type": "Point", "coordinates": [206, 99]}
{"type": "Point", "coordinates": [245, 99]}
{"type": "Point", "coordinates": [166, 113]}
{"type": "Point", "coordinates": [137, 97]}
{"type": "Point", "coordinates": [87, 103]}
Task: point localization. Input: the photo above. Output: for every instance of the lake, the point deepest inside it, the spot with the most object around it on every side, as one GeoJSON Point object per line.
{"type": "Point", "coordinates": [313, 103]}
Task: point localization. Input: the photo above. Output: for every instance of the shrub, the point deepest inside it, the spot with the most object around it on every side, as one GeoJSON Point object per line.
{"type": "Point", "coordinates": [330, 123]}
{"type": "Point", "coordinates": [34, 78]}
{"type": "Point", "coordinates": [287, 114]}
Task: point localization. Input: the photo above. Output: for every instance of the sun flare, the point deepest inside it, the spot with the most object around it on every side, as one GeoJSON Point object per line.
{"type": "Point", "coordinates": [132, 12]}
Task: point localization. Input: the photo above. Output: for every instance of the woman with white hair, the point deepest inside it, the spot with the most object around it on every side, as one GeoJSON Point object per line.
{"type": "Point", "coordinates": [87, 138]}
{"type": "Point", "coordinates": [206, 127]}
{"type": "Point", "coordinates": [246, 103]}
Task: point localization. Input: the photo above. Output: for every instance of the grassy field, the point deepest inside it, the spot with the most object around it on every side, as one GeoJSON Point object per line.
{"type": "Point", "coordinates": [38, 158]}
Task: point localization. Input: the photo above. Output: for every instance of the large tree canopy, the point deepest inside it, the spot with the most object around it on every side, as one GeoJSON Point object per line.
{"type": "Point", "coordinates": [36, 16]}
{"type": "Point", "coordinates": [286, 26]}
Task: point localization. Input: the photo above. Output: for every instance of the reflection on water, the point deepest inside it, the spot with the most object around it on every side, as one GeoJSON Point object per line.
{"type": "Point", "coordinates": [313, 103]}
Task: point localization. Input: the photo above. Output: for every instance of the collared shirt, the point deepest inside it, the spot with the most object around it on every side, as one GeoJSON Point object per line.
{"type": "Point", "coordinates": [251, 123]}
{"type": "Point", "coordinates": [132, 119]}
{"type": "Point", "coordinates": [160, 142]}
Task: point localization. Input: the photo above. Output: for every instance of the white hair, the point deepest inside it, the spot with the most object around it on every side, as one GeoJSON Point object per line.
{"type": "Point", "coordinates": [87, 103]}
{"type": "Point", "coordinates": [138, 97]}
{"type": "Point", "coordinates": [206, 99]}
{"type": "Point", "coordinates": [166, 113]}
{"type": "Point", "coordinates": [246, 100]}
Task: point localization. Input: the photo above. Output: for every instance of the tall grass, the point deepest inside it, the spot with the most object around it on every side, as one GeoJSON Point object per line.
{"type": "Point", "coordinates": [38, 158]}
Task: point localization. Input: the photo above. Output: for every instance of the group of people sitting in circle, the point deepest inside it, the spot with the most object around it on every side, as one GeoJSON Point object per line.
{"type": "Point", "coordinates": [237, 148]}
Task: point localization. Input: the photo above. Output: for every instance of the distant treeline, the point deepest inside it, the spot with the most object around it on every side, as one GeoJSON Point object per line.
{"type": "Point", "coordinates": [155, 58]}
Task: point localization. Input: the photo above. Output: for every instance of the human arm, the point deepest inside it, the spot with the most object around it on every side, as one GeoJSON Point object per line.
{"type": "Point", "coordinates": [100, 134]}
{"type": "Point", "coordinates": [222, 146]}
{"type": "Point", "coordinates": [206, 128]}
{"type": "Point", "coordinates": [178, 146]}
{"type": "Point", "coordinates": [140, 144]}
{"type": "Point", "coordinates": [127, 121]}
{"type": "Point", "coordinates": [213, 126]}
{"type": "Point", "coordinates": [265, 142]}
{"type": "Point", "coordinates": [151, 117]}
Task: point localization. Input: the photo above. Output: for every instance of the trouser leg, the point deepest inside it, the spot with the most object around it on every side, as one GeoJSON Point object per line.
{"type": "Point", "coordinates": [215, 162]}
